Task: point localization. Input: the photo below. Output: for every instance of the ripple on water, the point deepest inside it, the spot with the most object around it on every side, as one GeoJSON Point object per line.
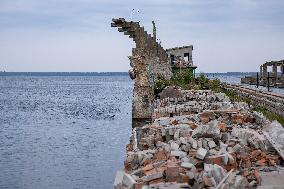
{"type": "Point", "coordinates": [63, 132]}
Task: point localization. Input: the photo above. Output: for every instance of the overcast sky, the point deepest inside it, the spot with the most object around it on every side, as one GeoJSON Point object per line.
{"type": "Point", "coordinates": [75, 35]}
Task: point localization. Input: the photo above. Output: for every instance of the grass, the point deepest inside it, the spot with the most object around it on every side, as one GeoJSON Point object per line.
{"type": "Point", "coordinates": [234, 97]}
{"type": "Point", "coordinates": [270, 115]}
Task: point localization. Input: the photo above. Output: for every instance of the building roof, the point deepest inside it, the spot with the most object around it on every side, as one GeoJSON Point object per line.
{"type": "Point", "coordinates": [183, 47]}
{"type": "Point", "coordinates": [280, 62]}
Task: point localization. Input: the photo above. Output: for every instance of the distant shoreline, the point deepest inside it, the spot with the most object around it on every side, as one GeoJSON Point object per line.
{"type": "Point", "coordinates": [98, 73]}
{"type": "Point", "coordinates": [63, 74]}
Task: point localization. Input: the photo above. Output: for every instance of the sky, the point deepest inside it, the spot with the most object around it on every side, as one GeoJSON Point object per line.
{"type": "Point", "coordinates": [75, 35]}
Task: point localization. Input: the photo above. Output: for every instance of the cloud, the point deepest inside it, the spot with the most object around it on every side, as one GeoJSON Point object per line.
{"type": "Point", "coordinates": [61, 51]}
{"type": "Point", "coordinates": [69, 35]}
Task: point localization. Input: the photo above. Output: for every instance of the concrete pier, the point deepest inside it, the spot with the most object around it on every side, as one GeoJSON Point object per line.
{"type": "Point", "coordinates": [276, 79]}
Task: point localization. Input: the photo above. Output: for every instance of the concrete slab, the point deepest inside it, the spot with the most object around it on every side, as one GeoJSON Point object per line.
{"type": "Point", "coordinates": [271, 180]}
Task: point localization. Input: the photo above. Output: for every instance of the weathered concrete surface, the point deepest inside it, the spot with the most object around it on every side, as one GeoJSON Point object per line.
{"type": "Point", "coordinates": [143, 94]}
{"type": "Point", "coordinates": [149, 60]}
{"type": "Point", "coordinates": [274, 132]}
{"type": "Point", "coordinates": [272, 180]}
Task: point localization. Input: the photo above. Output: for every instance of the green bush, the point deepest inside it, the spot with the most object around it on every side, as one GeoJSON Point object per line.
{"type": "Point", "coordinates": [161, 83]}
{"type": "Point", "coordinates": [181, 77]}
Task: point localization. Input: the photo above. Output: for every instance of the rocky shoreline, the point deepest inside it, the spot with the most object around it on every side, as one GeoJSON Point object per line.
{"type": "Point", "coordinates": [201, 139]}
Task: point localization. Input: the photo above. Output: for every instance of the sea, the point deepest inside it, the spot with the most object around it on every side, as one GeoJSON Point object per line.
{"type": "Point", "coordinates": [66, 130]}
{"type": "Point", "coordinates": [60, 130]}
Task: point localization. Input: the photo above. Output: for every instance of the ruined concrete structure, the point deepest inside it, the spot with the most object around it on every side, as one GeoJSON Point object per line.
{"type": "Point", "coordinates": [181, 56]}
{"type": "Point", "coordinates": [148, 61]}
{"type": "Point", "coordinates": [276, 78]}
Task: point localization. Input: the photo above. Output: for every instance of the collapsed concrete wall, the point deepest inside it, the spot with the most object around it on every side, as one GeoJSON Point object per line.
{"type": "Point", "coordinates": [149, 60]}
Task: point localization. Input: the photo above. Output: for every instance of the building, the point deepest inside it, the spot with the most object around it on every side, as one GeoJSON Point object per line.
{"type": "Point", "coordinates": [181, 58]}
{"type": "Point", "coordinates": [275, 78]}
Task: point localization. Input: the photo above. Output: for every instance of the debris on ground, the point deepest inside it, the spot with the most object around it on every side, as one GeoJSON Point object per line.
{"type": "Point", "coordinates": [203, 140]}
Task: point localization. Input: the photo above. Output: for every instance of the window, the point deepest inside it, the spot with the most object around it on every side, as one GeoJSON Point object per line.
{"type": "Point", "coordinates": [186, 56]}
{"type": "Point", "coordinates": [172, 59]}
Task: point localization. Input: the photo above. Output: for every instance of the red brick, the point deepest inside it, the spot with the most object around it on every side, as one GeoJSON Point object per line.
{"type": "Point", "coordinates": [173, 121]}
{"type": "Point", "coordinates": [161, 155]}
{"type": "Point", "coordinates": [147, 161]}
{"type": "Point", "coordinates": [192, 125]}
{"type": "Point", "coordinates": [261, 162]}
{"type": "Point", "coordinates": [255, 153]}
{"type": "Point", "coordinates": [148, 167]}
{"type": "Point", "coordinates": [204, 117]}
{"type": "Point", "coordinates": [129, 147]}
{"type": "Point", "coordinates": [183, 178]}
{"type": "Point", "coordinates": [172, 173]}
{"type": "Point", "coordinates": [215, 160]}
{"type": "Point", "coordinates": [127, 165]}
{"type": "Point", "coordinates": [222, 127]}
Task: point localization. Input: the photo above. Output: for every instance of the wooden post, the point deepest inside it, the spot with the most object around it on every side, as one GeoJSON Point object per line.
{"type": "Point", "coordinates": [257, 80]}
{"type": "Point", "coordinates": [264, 73]}
{"type": "Point", "coordinates": [274, 74]}
{"type": "Point", "coordinates": [268, 81]}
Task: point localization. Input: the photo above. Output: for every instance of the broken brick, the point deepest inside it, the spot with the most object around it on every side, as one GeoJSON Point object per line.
{"type": "Point", "coordinates": [161, 155]}
{"type": "Point", "coordinates": [172, 173]}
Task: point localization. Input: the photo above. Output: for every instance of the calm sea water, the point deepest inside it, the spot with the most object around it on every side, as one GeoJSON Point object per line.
{"type": "Point", "coordinates": [63, 131]}
{"type": "Point", "coordinates": [67, 131]}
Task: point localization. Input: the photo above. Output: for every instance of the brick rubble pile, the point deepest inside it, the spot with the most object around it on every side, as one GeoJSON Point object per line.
{"type": "Point", "coordinates": [199, 139]}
